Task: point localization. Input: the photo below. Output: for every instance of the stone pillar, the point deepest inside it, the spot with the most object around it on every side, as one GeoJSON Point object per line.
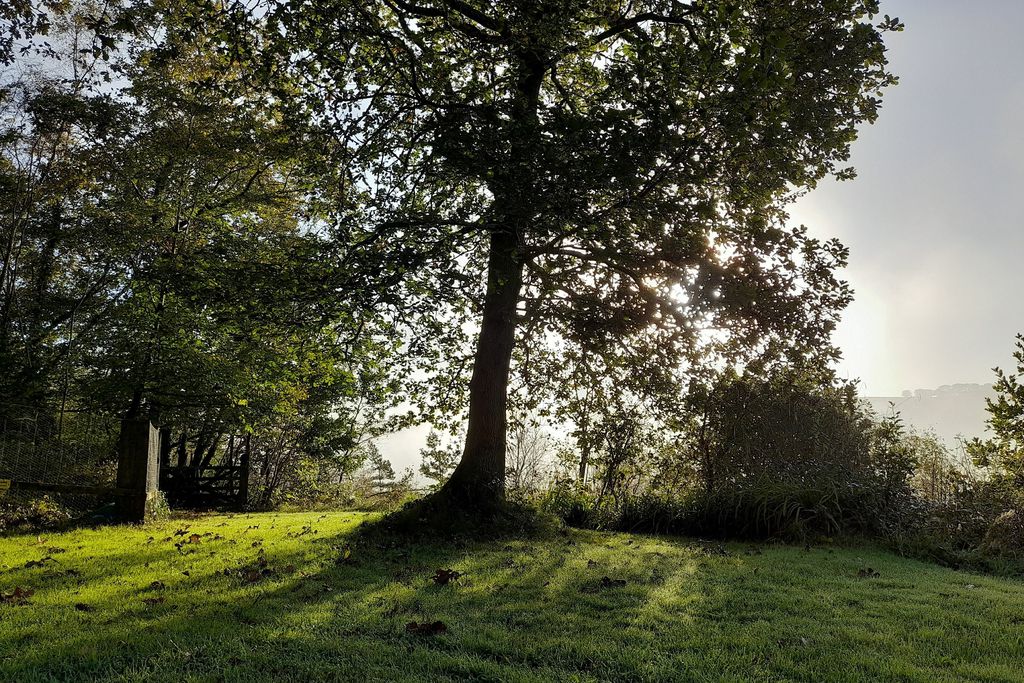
{"type": "Point", "coordinates": [138, 469]}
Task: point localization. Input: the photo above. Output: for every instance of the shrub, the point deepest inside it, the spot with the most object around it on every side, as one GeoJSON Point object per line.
{"type": "Point", "coordinates": [787, 456]}
{"type": "Point", "coordinates": [32, 513]}
{"type": "Point", "coordinates": [577, 506]}
{"type": "Point", "coordinates": [1005, 535]}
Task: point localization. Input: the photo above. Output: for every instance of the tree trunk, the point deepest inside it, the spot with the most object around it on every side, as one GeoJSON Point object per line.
{"type": "Point", "coordinates": [584, 461]}
{"type": "Point", "coordinates": [479, 479]}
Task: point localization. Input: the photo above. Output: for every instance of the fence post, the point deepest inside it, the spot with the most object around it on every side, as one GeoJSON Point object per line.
{"type": "Point", "coordinates": [165, 446]}
{"type": "Point", "coordinates": [243, 485]}
{"type": "Point", "coordinates": [138, 469]}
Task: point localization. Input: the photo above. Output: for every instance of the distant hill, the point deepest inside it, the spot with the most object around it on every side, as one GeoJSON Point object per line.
{"type": "Point", "coordinates": [951, 410]}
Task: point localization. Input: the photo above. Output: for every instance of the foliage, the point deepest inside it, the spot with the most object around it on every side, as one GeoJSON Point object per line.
{"type": "Point", "coordinates": [157, 508]}
{"type": "Point", "coordinates": [791, 454]}
{"type": "Point", "coordinates": [977, 523]}
{"type": "Point", "coordinates": [789, 426]}
{"type": "Point", "coordinates": [31, 514]}
{"type": "Point", "coordinates": [437, 461]}
{"type": "Point", "coordinates": [1004, 452]}
{"type": "Point", "coordinates": [607, 177]}
{"type": "Point", "coordinates": [163, 252]}
{"type": "Point", "coordinates": [940, 473]}
{"type": "Point", "coordinates": [361, 490]}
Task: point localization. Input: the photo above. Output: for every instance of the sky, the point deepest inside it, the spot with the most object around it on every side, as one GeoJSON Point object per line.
{"type": "Point", "coordinates": [934, 219]}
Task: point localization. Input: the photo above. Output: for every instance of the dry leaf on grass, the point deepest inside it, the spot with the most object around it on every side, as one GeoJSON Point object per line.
{"type": "Point", "coordinates": [426, 628]}
{"type": "Point", "coordinates": [18, 596]}
{"type": "Point", "coordinates": [442, 577]}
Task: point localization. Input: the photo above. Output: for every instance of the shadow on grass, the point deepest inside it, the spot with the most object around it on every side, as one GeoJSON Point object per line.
{"type": "Point", "coordinates": [324, 606]}
{"type": "Point", "coordinates": [282, 598]}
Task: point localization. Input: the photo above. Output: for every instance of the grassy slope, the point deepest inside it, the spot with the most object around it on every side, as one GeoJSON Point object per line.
{"type": "Point", "coordinates": [525, 610]}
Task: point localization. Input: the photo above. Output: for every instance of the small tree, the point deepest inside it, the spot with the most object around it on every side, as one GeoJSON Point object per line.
{"type": "Point", "coordinates": [790, 425]}
{"type": "Point", "coordinates": [382, 473]}
{"type": "Point", "coordinates": [527, 457]}
{"type": "Point", "coordinates": [1004, 452]}
{"type": "Point", "coordinates": [437, 462]}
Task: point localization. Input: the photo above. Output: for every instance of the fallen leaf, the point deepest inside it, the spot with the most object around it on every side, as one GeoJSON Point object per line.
{"type": "Point", "coordinates": [82, 607]}
{"type": "Point", "coordinates": [18, 596]}
{"type": "Point", "coordinates": [154, 601]}
{"type": "Point", "coordinates": [442, 577]}
{"type": "Point", "coordinates": [39, 563]}
{"type": "Point", "coordinates": [346, 555]}
{"type": "Point", "coordinates": [426, 628]}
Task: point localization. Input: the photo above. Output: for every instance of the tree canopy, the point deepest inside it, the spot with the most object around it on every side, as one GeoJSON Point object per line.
{"type": "Point", "coordinates": [608, 176]}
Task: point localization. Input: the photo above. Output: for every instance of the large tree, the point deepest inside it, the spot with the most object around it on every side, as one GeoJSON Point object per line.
{"type": "Point", "coordinates": [608, 175]}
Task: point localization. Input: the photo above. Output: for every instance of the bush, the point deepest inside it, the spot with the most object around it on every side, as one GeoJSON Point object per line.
{"type": "Point", "coordinates": [32, 513]}
{"type": "Point", "coordinates": [790, 456]}
{"type": "Point", "coordinates": [765, 510]}
{"type": "Point", "coordinates": [577, 506]}
{"type": "Point", "coordinates": [1005, 535]}
{"type": "Point", "coordinates": [976, 527]}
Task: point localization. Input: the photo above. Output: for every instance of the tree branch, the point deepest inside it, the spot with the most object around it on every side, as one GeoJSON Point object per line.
{"type": "Point", "coordinates": [483, 21]}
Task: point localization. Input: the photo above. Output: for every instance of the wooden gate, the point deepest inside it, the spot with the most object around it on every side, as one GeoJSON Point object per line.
{"type": "Point", "coordinates": [208, 487]}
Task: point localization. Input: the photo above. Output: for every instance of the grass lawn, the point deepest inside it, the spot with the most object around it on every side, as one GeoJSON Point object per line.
{"type": "Point", "coordinates": [270, 597]}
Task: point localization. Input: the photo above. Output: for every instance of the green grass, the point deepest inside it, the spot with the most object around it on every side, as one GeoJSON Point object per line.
{"type": "Point", "coordinates": [528, 610]}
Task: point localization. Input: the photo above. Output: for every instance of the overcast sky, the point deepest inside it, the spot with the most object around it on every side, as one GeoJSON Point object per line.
{"type": "Point", "coordinates": [934, 218]}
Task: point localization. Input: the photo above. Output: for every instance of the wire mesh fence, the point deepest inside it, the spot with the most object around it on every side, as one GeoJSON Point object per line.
{"type": "Point", "coordinates": [47, 445]}
{"type": "Point", "coordinates": [33, 509]}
